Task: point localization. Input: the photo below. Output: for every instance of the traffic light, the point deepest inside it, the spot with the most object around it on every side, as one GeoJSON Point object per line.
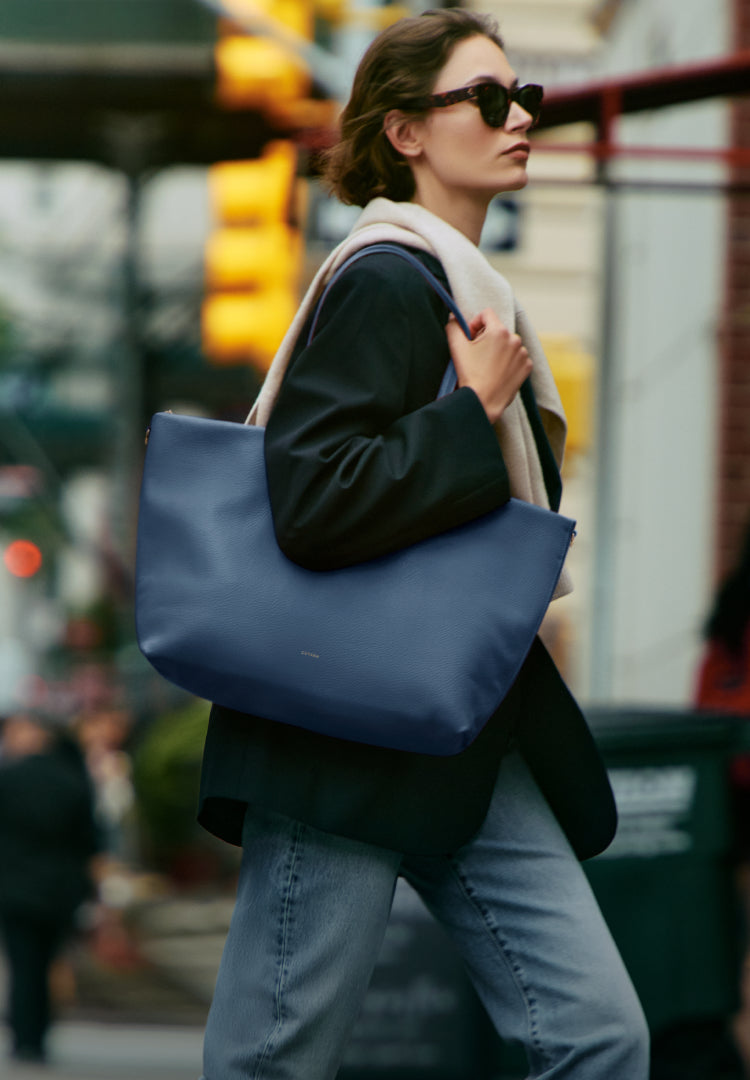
{"type": "Point", "coordinates": [267, 72]}
{"type": "Point", "coordinates": [253, 258]}
{"type": "Point", "coordinates": [22, 558]}
{"type": "Point", "coordinates": [254, 253]}
{"type": "Point", "coordinates": [259, 73]}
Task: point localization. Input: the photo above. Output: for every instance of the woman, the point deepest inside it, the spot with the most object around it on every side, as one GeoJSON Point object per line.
{"type": "Point", "coordinates": [362, 459]}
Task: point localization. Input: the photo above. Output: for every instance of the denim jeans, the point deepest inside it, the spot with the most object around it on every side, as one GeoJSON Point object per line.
{"type": "Point", "coordinates": [312, 911]}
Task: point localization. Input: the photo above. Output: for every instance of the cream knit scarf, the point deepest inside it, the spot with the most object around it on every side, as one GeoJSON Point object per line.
{"type": "Point", "coordinates": [475, 285]}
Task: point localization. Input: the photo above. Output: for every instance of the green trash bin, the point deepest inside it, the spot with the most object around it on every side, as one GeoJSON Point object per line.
{"type": "Point", "coordinates": [666, 884]}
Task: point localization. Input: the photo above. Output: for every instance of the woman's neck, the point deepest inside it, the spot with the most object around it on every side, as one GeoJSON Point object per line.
{"type": "Point", "coordinates": [464, 212]}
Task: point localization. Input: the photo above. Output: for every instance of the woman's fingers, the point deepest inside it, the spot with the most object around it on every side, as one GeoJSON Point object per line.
{"type": "Point", "coordinates": [494, 363]}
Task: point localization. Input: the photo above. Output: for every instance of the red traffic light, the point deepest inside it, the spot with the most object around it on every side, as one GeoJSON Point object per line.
{"type": "Point", "coordinates": [22, 558]}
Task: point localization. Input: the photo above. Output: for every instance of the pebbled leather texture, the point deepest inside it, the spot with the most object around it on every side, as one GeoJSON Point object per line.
{"type": "Point", "coordinates": [412, 651]}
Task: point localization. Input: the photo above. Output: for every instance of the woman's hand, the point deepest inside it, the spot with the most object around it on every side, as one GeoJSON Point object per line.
{"type": "Point", "coordinates": [494, 363]}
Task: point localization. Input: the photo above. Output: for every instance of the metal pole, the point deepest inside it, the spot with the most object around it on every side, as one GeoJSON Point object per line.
{"type": "Point", "coordinates": [606, 487]}
{"type": "Point", "coordinates": [129, 141]}
{"type": "Point", "coordinates": [606, 406]}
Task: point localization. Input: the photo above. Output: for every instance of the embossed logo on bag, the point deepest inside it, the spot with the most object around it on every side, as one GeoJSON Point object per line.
{"type": "Point", "coordinates": [313, 655]}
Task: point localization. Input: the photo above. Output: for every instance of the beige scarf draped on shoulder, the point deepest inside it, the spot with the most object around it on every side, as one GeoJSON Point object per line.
{"type": "Point", "coordinates": [475, 285]}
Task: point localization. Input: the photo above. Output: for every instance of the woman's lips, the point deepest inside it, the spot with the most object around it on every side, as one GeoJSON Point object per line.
{"type": "Point", "coordinates": [519, 150]}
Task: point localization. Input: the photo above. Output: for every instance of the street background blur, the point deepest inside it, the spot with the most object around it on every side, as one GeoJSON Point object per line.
{"type": "Point", "coordinates": [160, 215]}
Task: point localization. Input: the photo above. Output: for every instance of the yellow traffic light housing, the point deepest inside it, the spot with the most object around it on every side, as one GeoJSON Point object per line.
{"type": "Point", "coordinates": [241, 326]}
{"type": "Point", "coordinates": [257, 73]}
{"type": "Point", "coordinates": [265, 72]}
{"type": "Point", "coordinates": [254, 191]}
{"type": "Point", "coordinates": [253, 258]}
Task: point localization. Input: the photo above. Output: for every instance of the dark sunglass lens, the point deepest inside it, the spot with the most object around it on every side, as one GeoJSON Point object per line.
{"type": "Point", "coordinates": [530, 99]}
{"type": "Point", "coordinates": [494, 104]}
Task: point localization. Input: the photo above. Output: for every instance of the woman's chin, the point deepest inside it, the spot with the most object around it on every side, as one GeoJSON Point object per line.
{"type": "Point", "coordinates": [512, 183]}
{"type": "Point", "coordinates": [519, 180]}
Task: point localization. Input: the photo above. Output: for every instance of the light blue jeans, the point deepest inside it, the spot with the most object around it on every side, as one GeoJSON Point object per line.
{"type": "Point", "coordinates": [312, 911]}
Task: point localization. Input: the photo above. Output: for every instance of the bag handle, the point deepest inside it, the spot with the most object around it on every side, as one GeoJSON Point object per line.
{"type": "Point", "coordinates": [448, 383]}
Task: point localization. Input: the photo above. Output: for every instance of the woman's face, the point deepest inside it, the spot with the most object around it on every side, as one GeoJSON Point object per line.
{"type": "Point", "coordinates": [460, 153]}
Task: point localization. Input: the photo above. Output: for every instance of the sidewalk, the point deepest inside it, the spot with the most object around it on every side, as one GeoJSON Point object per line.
{"type": "Point", "coordinates": [135, 1012]}
{"type": "Point", "coordinates": [168, 973]}
{"type": "Point", "coordinates": [89, 1051]}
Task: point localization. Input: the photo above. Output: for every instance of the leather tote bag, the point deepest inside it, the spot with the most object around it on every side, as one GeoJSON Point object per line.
{"type": "Point", "coordinates": [414, 650]}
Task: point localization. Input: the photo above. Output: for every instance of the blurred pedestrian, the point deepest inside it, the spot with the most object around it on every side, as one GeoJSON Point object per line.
{"type": "Point", "coordinates": [47, 839]}
{"type": "Point", "coordinates": [723, 683]}
{"type": "Point", "coordinates": [361, 460]}
{"type": "Point", "coordinates": [102, 734]}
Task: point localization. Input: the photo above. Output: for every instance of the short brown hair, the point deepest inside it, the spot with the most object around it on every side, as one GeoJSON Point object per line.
{"type": "Point", "coordinates": [398, 70]}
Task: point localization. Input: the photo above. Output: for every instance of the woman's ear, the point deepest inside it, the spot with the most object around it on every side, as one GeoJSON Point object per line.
{"type": "Point", "coordinates": [403, 133]}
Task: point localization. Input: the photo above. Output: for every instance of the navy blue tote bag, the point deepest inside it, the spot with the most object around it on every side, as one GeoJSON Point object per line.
{"type": "Point", "coordinates": [413, 651]}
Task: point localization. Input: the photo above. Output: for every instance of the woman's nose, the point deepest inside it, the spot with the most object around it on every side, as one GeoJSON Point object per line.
{"type": "Point", "coordinates": [518, 118]}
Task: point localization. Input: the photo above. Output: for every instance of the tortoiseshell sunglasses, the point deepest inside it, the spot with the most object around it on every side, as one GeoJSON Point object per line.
{"type": "Point", "coordinates": [493, 100]}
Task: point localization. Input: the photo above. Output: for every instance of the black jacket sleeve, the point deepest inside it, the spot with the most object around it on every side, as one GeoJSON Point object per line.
{"type": "Point", "coordinates": [361, 459]}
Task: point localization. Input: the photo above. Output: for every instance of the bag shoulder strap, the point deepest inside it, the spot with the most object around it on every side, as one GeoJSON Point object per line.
{"type": "Point", "coordinates": [448, 383]}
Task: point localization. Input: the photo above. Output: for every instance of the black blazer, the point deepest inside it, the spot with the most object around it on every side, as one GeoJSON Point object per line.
{"type": "Point", "coordinates": [362, 460]}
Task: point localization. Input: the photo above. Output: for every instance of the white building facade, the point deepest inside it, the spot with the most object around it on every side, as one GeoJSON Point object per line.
{"type": "Point", "coordinates": [634, 273]}
{"type": "Point", "coordinates": [664, 272]}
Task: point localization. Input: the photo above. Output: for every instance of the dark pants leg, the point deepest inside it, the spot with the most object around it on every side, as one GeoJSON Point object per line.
{"type": "Point", "coordinates": [30, 946]}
